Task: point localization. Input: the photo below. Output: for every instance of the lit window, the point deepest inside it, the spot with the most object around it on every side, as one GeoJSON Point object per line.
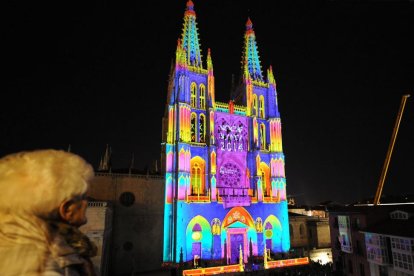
{"type": "Point", "coordinates": [261, 107]}
{"type": "Point", "coordinates": [265, 174]}
{"type": "Point", "coordinates": [202, 96]}
{"type": "Point", "coordinates": [255, 105]}
{"type": "Point", "coordinates": [193, 95]}
{"type": "Point", "coordinates": [193, 127]}
{"type": "Point", "coordinates": [202, 128]}
{"type": "Point", "coordinates": [197, 176]}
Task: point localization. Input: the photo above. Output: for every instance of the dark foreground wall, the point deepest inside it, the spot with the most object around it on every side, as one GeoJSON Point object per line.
{"type": "Point", "coordinates": [137, 220]}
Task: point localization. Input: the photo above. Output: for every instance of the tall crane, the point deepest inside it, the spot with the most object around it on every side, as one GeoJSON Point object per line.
{"type": "Point", "coordinates": [390, 149]}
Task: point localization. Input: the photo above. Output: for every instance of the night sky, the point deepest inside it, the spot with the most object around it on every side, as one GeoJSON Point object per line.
{"type": "Point", "coordinates": [95, 74]}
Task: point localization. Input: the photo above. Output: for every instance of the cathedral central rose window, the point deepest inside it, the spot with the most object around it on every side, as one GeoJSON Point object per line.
{"type": "Point", "coordinates": [230, 175]}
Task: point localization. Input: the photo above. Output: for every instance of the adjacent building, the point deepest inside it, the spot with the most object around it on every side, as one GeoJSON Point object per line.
{"type": "Point", "coordinates": [309, 235]}
{"type": "Point", "coordinates": [373, 240]}
{"type": "Point", "coordinates": [99, 230]}
{"type": "Point", "coordinates": [136, 228]}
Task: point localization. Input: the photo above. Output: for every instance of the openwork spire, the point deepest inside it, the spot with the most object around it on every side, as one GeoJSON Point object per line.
{"type": "Point", "coordinates": [209, 62]}
{"type": "Point", "coordinates": [270, 76]}
{"type": "Point", "coordinates": [190, 43]}
{"type": "Point", "coordinates": [250, 60]}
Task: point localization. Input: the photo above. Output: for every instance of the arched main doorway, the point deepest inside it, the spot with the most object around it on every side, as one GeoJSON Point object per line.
{"type": "Point", "coordinates": [237, 224]}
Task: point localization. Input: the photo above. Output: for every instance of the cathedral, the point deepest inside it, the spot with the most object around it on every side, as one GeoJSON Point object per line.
{"type": "Point", "coordinates": [225, 185]}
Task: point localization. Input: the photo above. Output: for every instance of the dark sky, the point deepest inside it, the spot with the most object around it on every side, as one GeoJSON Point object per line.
{"type": "Point", "coordinates": [95, 74]}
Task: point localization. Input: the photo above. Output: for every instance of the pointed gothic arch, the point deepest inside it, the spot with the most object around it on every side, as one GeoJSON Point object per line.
{"type": "Point", "coordinates": [193, 127]}
{"type": "Point", "coordinates": [273, 231]}
{"type": "Point", "coordinates": [198, 166]}
{"type": "Point", "coordinates": [265, 175]}
{"type": "Point", "coordinates": [255, 133]}
{"type": "Point", "coordinates": [193, 100]}
{"type": "Point", "coordinates": [254, 107]}
{"type": "Point", "coordinates": [261, 106]}
{"type": "Point", "coordinates": [213, 162]}
{"type": "Point", "coordinates": [198, 237]}
{"type": "Point", "coordinates": [202, 128]}
{"type": "Point", "coordinates": [238, 214]}
{"type": "Point", "coordinates": [202, 90]}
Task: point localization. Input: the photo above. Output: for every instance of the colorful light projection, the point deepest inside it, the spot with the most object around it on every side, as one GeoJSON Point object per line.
{"type": "Point", "coordinates": [251, 62]}
{"type": "Point", "coordinates": [222, 155]}
{"type": "Point", "coordinates": [199, 232]}
{"type": "Point", "coordinates": [238, 229]}
{"type": "Point", "coordinates": [275, 135]}
{"type": "Point", "coordinates": [237, 268]}
{"type": "Point", "coordinates": [231, 135]}
{"type": "Point", "coordinates": [210, 80]}
{"type": "Point", "coordinates": [190, 41]}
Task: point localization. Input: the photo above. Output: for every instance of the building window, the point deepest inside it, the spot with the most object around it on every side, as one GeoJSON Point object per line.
{"type": "Point", "coordinates": [262, 136]}
{"type": "Point", "coordinates": [261, 107]}
{"type": "Point", "coordinates": [291, 231]}
{"type": "Point", "coordinates": [265, 175]}
{"type": "Point", "coordinates": [127, 199]}
{"type": "Point", "coordinates": [202, 96]}
{"type": "Point", "coordinates": [193, 127]}
{"type": "Point", "coordinates": [376, 248]}
{"type": "Point", "coordinates": [196, 188]}
{"type": "Point", "coordinates": [403, 261]}
{"type": "Point", "coordinates": [197, 176]}
{"type": "Point", "coordinates": [255, 105]}
{"type": "Point", "coordinates": [193, 100]}
{"type": "Point", "coordinates": [399, 215]}
{"type": "Point", "coordinates": [202, 128]}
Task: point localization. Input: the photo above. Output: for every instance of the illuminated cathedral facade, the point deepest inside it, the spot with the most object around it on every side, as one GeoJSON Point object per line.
{"type": "Point", "coordinates": [225, 186]}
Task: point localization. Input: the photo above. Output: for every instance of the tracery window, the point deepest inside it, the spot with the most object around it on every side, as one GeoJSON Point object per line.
{"type": "Point", "coordinates": [193, 127]}
{"type": "Point", "coordinates": [255, 104]}
{"type": "Point", "coordinates": [193, 100]}
{"type": "Point", "coordinates": [265, 175]}
{"type": "Point", "coordinates": [261, 107]}
{"type": "Point", "coordinates": [202, 96]}
{"type": "Point", "coordinates": [202, 125]}
{"type": "Point", "coordinates": [197, 176]}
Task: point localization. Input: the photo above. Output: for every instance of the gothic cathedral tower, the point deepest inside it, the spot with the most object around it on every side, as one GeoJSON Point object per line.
{"type": "Point", "coordinates": [225, 185]}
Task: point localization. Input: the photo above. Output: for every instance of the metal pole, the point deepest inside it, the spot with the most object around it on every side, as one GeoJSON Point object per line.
{"type": "Point", "coordinates": [390, 149]}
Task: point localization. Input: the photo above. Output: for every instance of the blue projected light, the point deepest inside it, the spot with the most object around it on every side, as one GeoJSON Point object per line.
{"type": "Point", "coordinates": [225, 185]}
